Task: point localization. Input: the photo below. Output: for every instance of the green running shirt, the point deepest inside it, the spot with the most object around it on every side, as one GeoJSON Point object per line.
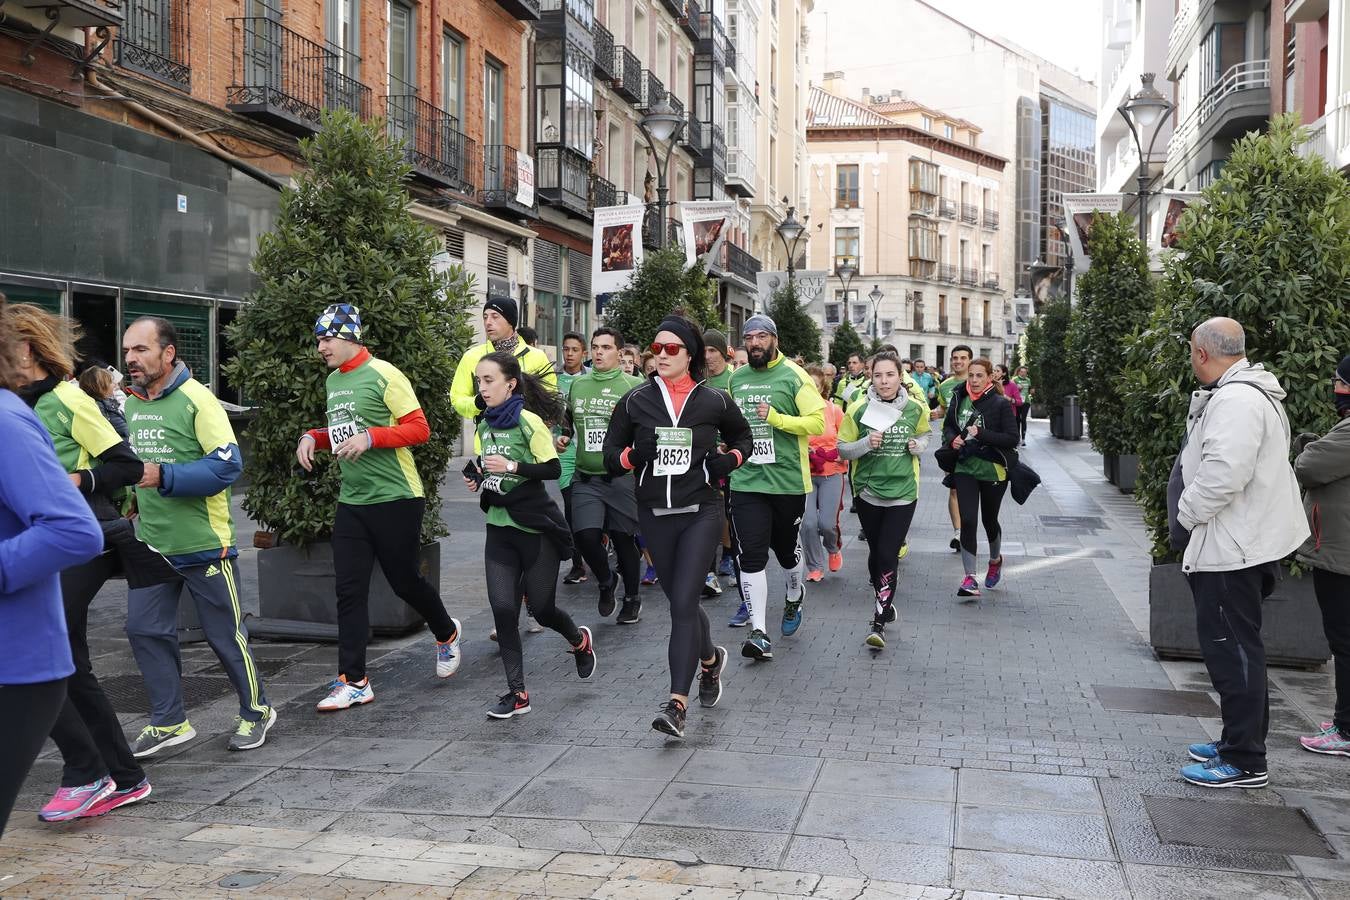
{"type": "Point", "coordinates": [530, 441]}
{"type": "Point", "coordinates": [591, 401]}
{"type": "Point", "coordinates": [78, 429]}
{"type": "Point", "coordinates": [779, 462]}
{"type": "Point", "coordinates": [568, 458]}
{"type": "Point", "coordinates": [721, 382]}
{"type": "Point", "coordinates": [944, 390]}
{"type": "Point", "coordinates": [181, 426]}
{"type": "Point", "coordinates": [374, 394]}
{"type": "Point", "coordinates": [890, 471]}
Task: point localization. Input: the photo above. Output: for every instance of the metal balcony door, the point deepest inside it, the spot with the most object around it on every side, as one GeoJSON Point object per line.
{"type": "Point", "coordinates": [262, 47]}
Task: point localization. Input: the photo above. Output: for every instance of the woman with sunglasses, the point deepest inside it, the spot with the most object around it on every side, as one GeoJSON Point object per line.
{"type": "Point", "coordinates": [527, 534]}
{"type": "Point", "coordinates": [671, 430]}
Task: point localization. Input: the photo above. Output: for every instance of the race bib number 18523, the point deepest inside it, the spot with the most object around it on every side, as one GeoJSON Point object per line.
{"type": "Point", "coordinates": [674, 451]}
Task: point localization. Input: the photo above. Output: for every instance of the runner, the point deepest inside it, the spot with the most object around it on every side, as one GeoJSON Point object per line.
{"type": "Point", "coordinates": [1011, 389]}
{"type": "Point", "coordinates": [959, 359]}
{"type": "Point", "coordinates": [854, 379]}
{"type": "Point", "coordinates": [981, 425]}
{"type": "Point", "coordinates": [669, 430]}
{"type": "Point", "coordinates": [373, 420]}
{"type": "Point", "coordinates": [526, 532]}
{"type": "Point", "coordinates": [191, 457]}
{"type": "Point", "coordinates": [925, 380]}
{"type": "Point", "coordinates": [99, 773]}
{"type": "Point", "coordinates": [1023, 379]}
{"type": "Point", "coordinates": [573, 365]}
{"type": "Point", "coordinates": [885, 475]}
{"type": "Point", "coordinates": [821, 535]}
{"type": "Point", "coordinates": [45, 527]}
{"type": "Point", "coordinates": [602, 503]}
{"type": "Point", "coordinates": [768, 494]}
{"type": "Point", "coordinates": [500, 315]}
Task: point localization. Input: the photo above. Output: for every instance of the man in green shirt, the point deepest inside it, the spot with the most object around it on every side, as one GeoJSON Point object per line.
{"type": "Point", "coordinates": [855, 379]}
{"type": "Point", "coordinates": [373, 421]}
{"type": "Point", "coordinates": [768, 493]}
{"type": "Point", "coordinates": [718, 359]}
{"type": "Point", "coordinates": [180, 431]}
{"type": "Point", "coordinates": [573, 366]}
{"type": "Point", "coordinates": [1023, 380]}
{"type": "Point", "coordinates": [960, 358]}
{"type": "Point", "coordinates": [603, 503]}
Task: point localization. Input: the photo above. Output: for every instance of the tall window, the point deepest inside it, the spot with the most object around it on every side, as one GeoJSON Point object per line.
{"type": "Point", "coordinates": [846, 186]}
{"type": "Point", "coordinates": [493, 106]}
{"type": "Point", "coordinates": [846, 243]}
{"type": "Point", "coordinates": [452, 75]}
{"type": "Point", "coordinates": [342, 28]}
{"type": "Point", "coordinates": [923, 241]}
{"type": "Point", "coordinates": [402, 35]}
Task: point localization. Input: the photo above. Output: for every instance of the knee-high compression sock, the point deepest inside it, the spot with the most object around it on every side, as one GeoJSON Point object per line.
{"type": "Point", "coordinates": [794, 579]}
{"type": "Point", "coordinates": [755, 593]}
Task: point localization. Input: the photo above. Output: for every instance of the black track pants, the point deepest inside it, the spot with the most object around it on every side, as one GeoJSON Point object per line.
{"type": "Point", "coordinates": [519, 564]}
{"type": "Point", "coordinates": [681, 545]}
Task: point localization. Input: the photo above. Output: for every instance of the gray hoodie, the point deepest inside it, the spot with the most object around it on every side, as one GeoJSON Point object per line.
{"type": "Point", "coordinates": [1241, 501]}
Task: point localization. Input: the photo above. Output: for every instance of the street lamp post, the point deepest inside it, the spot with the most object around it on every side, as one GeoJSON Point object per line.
{"type": "Point", "coordinates": [875, 296]}
{"type": "Point", "coordinates": [1145, 112]}
{"type": "Point", "coordinates": [659, 126]}
{"type": "Point", "coordinates": [790, 231]}
{"type": "Point", "coordinates": [845, 272]}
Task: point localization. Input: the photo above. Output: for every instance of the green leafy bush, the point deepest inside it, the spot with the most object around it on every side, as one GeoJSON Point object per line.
{"type": "Point", "coordinates": [846, 342]}
{"type": "Point", "coordinates": [1114, 299]}
{"type": "Point", "coordinates": [1270, 248]}
{"type": "Point", "coordinates": [798, 333]}
{"type": "Point", "coordinates": [661, 285]}
{"type": "Point", "coordinates": [1048, 355]}
{"type": "Point", "coordinates": [344, 234]}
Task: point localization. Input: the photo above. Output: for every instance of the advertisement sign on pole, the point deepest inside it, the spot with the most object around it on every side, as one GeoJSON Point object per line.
{"type": "Point", "coordinates": [705, 225]}
{"type": "Point", "coordinates": [616, 247]}
{"type": "Point", "coordinates": [1078, 212]}
{"type": "Point", "coordinates": [525, 179]}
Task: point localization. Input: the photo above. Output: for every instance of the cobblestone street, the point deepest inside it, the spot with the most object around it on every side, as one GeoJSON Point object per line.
{"type": "Point", "coordinates": [975, 754]}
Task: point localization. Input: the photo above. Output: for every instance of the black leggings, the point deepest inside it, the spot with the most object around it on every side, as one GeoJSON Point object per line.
{"type": "Point", "coordinates": [87, 731]}
{"type": "Point", "coordinates": [886, 528]}
{"type": "Point", "coordinates": [577, 558]}
{"type": "Point", "coordinates": [390, 532]}
{"type": "Point", "coordinates": [679, 544]}
{"type": "Point", "coordinates": [625, 548]}
{"type": "Point", "coordinates": [28, 711]}
{"type": "Point", "coordinates": [1333, 595]}
{"type": "Point", "coordinates": [518, 564]}
{"type": "Point", "coordinates": [1022, 412]}
{"type": "Point", "coordinates": [979, 500]}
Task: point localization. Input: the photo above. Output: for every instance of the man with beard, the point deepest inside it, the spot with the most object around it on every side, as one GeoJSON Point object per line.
{"type": "Point", "coordinates": [180, 430]}
{"type": "Point", "coordinates": [768, 493]}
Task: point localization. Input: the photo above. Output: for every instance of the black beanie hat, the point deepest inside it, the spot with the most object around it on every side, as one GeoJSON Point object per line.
{"type": "Point", "coordinates": [505, 306]}
{"type": "Point", "coordinates": [687, 332]}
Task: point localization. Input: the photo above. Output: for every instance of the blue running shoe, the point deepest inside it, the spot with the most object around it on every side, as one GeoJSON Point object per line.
{"type": "Point", "coordinates": [757, 646]}
{"type": "Point", "coordinates": [1218, 774]}
{"type": "Point", "coordinates": [1203, 752]}
{"type": "Point", "coordinates": [724, 568]}
{"type": "Point", "coordinates": [792, 615]}
{"type": "Point", "coordinates": [742, 617]}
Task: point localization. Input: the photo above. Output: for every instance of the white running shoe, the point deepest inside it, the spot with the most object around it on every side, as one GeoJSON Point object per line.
{"type": "Point", "coordinates": [447, 653]}
{"type": "Point", "coordinates": [342, 695]}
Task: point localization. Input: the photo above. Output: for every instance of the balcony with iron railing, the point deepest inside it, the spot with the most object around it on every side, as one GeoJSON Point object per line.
{"type": "Point", "coordinates": [944, 324]}
{"type": "Point", "coordinates": [674, 230]}
{"type": "Point", "coordinates": [970, 213]}
{"type": "Point", "coordinates": [991, 280]}
{"type": "Point", "coordinates": [627, 74]}
{"type": "Point", "coordinates": [154, 41]}
{"type": "Point", "coordinates": [947, 208]}
{"type": "Point", "coordinates": [918, 318]}
{"type": "Point", "coordinates": [603, 43]}
{"type": "Point", "coordinates": [432, 141]}
{"type": "Point", "coordinates": [286, 80]}
{"type": "Point", "coordinates": [523, 10]}
{"type": "Point", "coordinates": [563, 179]}
{"type": "Point", "coordinates": [965, 326]}
{"type": "Point", "coordinates": [676, 105]}
{"type": "Point", "coordinates": [991, 219]}
{"type": "Point", "coordinates": [603, 193]}
{"type": "Point", "coordinates": [99, 14]}
{"type": "Point", "coordinates": [714, 147]}
{"type": "Point", "coordinates": [947, 273]}
{"type": "Point", "coordinates": [1329, 136]}
{"type": "Point", "coordinates": [689, 20]}
{"type": "Point", "coordinates": [731, 55]}
{"type": "Point", "coordinates": [970, 276]}
{"type": "Point", "coordinates": [501, 187]}
{"type": "Point", "coordinates": [1230, 97]}
{"type": "Point", "coordinates": [650, 93]}
{"type": "Point", "coordinates": [674, 7]}
{"type": "Point", "coordinates": [693, 135]}
{"type": "Point", "coordinates": [988, 329]}
{"type": "Point", "coordinates": [740, 263]}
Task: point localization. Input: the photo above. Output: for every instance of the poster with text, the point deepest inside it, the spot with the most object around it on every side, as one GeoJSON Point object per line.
{"type": "Point", "coordinates": [810, 287]}
{"type": "Point", "coordinates": [1078, 212]}
{"type": "Point", "coordinates": [525, 180]}
{"type": "Point", "coordinates": [705, 225]}
{"type": "Point", "coordinates": [1167, 209]}
{"type": "Point", "coordinates": [616, 247]}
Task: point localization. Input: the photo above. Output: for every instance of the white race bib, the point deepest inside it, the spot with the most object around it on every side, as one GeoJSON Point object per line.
{"type": "Point", "coordinates": [341, 431]}
{"type": "Point", "coordinates": [674, 451]}
{"type": "Point", "coordinates": [762, 452]}
{"type": "Point", "coordinates": [593, 435]}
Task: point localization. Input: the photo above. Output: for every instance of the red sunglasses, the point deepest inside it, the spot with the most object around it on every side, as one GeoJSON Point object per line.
{"type": "Point", "coordinates": [670, 349]}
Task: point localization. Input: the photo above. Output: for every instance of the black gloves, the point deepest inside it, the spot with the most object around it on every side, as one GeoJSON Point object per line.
{"type": "Point", "coordinates": [720, 465]}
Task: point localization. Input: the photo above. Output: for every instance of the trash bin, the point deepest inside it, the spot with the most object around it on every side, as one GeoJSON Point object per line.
{"type": "Point", "coordinates": [1071, 424]}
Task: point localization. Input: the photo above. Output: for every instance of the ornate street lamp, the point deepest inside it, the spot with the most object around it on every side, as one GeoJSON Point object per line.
{"type": "Point", "coordinates": [875, 296]}
{"type": "Point", "coordinates": [790, 231]}
{"type": "Point", "coordinates": [661, 126]}
{"type": "Point", "coordinates": [1144, 113]}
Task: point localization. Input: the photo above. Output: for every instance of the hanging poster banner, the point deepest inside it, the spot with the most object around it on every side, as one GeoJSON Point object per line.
{"type": "Point", "coordinates": [1078, 212]}
{"type": "Point", "coordinates": [616, 247]}
{"type": "Point", "coordinates": [810, 287]}
{"type": "Point", "coordinates": [525, 179]}
{"type": "Point", "coordinates": [1167, 211]}
{"type": "Point", "coordinates": [705, 225]}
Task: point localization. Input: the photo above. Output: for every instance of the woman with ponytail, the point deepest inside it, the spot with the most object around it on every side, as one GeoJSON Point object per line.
{"type": "Point", "coordinates": [527, 534]}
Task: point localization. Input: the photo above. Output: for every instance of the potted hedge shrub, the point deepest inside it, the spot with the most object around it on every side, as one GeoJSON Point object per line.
{"type": "Point", "coordinates": [1268, 247]}
{"type": "Point", "coordinates": [1115, 297]}
{"type": "Point", "coordinates": [1048, 359]}
{"type": "Point", "coordinates": [344, 234]}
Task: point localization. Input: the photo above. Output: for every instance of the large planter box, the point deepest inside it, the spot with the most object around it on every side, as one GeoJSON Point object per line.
{"type": "Point", "coordinates": [1291, 622]}
{"type": "Point", "coordinates": [1126, 472]}
{"type": "Point", "coordinates": [1037, 411]}
{"type": "Point", "coordinates": [1110, 465]}
{"type": "Point", "coordinates": [298, 584]}
{"type": "Point", "coordinates": [1056, 424]}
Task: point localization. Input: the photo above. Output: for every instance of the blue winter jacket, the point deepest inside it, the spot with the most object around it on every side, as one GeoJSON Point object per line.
{"type": "Point", "coordinates": [45, 526]}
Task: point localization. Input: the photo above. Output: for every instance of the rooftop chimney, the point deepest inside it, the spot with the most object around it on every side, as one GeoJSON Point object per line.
{"type": "Point", "coordinates": [833, 83]}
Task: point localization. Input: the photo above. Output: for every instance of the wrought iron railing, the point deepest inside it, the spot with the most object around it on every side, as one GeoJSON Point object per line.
{"type": "Point", "coordinates": [712, 38]}
{"type": "Point", "coordinates": [946, 273]}
{"type": "Point", "coordinates": [689, 20]}
{"type": "Point", "coordinates": [970, 213]}
{"type": "Point", "coordinates": [965, 326]}
{"type": "Point", "coordinates": [651, 91]}
{"type": "Point", "coordinates": [603, 193]}
{"type": "Point", "coordinates": [674, 7]}
{"type": "Point", "coordinates": [154, 40]}
{"type": "Point", "coordinates": [277, 70]}
{"type": "Point", "coordinates": [603, 42]}
{"type": "Point", "coordinates": [432, 141]}
{"type": "Point", "coordinates": [991, 280]}
{"type": "Point", "coordinates": [944, 324]}
{"type": "Point", "coordinates": [731, 54]}
{"type": "Point", "coordinates": [563, 177]}
{"type": "Point", "coordinates": [676, 104]}
{"type": "Point", "coordinates": [693, 135]}
{"type": "Point", "coordinates": [988, 329]}
{"type": "Point", "coordinates": [501, 178]}
{"type": "Point", "coordinates": [719, 147]}
{"type": "Point", "coordinates": [990, 219]}
{"type": "Point", "coordinates": [970, 276]}
{"type": "Point", "coordinates": [947, 208]}
{"type": "Point", "coordinates": [627, 74]}
{"type": "Point", "coordinates": [739, 262]}
{"type": "Point", "coordinates": [524, 10]}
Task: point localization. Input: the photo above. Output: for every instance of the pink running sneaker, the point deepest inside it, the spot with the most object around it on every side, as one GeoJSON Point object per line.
{"type": "Point", "coordinates": [72, 802]}
{"type": "Point", "coordinates": [1330, 741]}
{"type": "Point", "coordinates": [119, 798]}
{"type": "Point", "coordinates": [991, 578]}
{"type": "Point", "coordinates": [968, 588]}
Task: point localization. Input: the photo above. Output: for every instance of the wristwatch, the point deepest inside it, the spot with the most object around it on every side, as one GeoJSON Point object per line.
{"type": "Point", "coordinates": [511, 466]}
